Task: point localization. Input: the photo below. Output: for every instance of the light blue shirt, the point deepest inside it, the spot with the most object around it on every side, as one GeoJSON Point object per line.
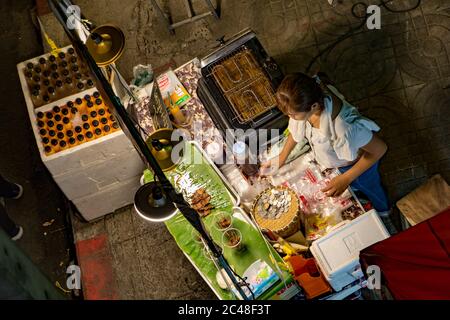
{"type": "Point", "coordinates": [337, 142]}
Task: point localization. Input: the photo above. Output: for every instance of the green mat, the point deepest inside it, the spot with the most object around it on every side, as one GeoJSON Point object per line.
{"type": "Point", "coordinates": [191, 177]}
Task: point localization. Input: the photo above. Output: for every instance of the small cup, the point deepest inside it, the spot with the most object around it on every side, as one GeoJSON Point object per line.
{"type": "Point", "coordinates": [197, 237]}
{"type": "Point", "coordinates": [223, 221]}
{"type": "Point", "coordinates": [208, 254]}
{"type": "Point", "coordinates": [232, 238]}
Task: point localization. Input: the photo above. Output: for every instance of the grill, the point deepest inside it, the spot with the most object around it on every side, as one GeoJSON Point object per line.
{"type": "Point", "coordinates": [238, 86]}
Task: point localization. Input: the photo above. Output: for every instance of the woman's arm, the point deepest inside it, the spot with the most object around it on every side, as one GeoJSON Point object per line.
{"type": "Point", "coordinates": [373, 151]}
{"type": "Point", "coordinates": [279, 161]}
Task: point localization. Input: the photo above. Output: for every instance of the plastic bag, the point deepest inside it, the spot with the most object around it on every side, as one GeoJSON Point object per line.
{"type": "Point", "coordinates": [142, 75]}
{"type": "Point", "coordinates": [320, 212]}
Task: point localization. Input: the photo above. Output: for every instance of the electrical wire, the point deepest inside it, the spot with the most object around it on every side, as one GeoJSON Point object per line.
{"type": "Point", "coordinates": [383, 3]}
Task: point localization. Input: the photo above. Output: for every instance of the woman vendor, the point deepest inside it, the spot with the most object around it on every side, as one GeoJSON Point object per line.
{"type": "Point", "coordinates": [339, 135]}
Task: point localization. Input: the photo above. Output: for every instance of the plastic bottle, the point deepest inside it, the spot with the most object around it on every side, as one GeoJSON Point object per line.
{"type": "Point", "coordinates": [72, 142]}
{"type": "Point", "coordinates": [53, 68]}
{"type": "Point", "coordinates": [61, 57]}
{"type": "Point", "coordinates": [69, 86]}
{"type": "Point", "coordinates": [51, 93]}
{"type": "Point", "coordinates": [30, 66]}
{"type": "Point", "coordinates": [37, 70]}
{"type": "Point", "coordinates": [59, 89]}
{"type": "Point", "coordinates": [36, 79]}
{"type": "Point", "coordinates": [48, 150]}
{"type": "Point", "coordinates": [69, 133]}
{"type": "Point", "coordinates": [43, 64]}
{"type": "Point", "coordinates": [106, 129]}
{"type": "Point", "coordinates": [115, 126]}
{"type": "Point", "coordinates": [55, 145]}
{"type": "Point", "coordinates": [89, 136]}
{"type": "Point", "coordinates": [95, 123]}
{"type": "Point", "coordinates": [40, 115]}
{"type": "Point", "coordinates": [29, 78]}
{"type": "Point", "coordinates": [90, 84]}
{"type": "Point", "coordinates": [98, 132]}
{"type": "Point", "coordinates": [46, 99]}
{"type": "Point", "coordinates": [52, 58]}
{"type": "Point", "coordinates": [55, 77]}
{"type": "Point", "coordinates": [37, 99]}
{"type": "Point", "coordinates": [65, 73]}
{"type": "Point", "coordinates": [65, 112]}
{"type": "Point", "coordinates": [80, 86]}
{"type": "Point", "coordinates": [67, 123]}
{"type": "Point", "coordinates": [73, 61]}
{"type": "Point", "coordinates": [63, 145]}
{"type": "Point", "coordinates": [50, 124]}
{"type": "Point", "coordinates": [51, 133]}
{"type": "Point", "coordinates": [46, 83]}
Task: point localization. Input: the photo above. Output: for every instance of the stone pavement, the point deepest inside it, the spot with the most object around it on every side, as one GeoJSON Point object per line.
{"type": "Point", "coordinates": [399, 76]}
{"type": "Point", "coordinates": [49, 247]}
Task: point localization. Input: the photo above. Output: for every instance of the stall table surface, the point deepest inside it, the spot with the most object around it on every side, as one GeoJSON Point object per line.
{"type": "Point", "coordinates": [256, 248]}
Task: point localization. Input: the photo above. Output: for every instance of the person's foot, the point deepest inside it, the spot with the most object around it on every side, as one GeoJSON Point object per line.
{"type": "Point", "coordinates": [19, 191]}
{"type": "Point", "coordinates": [19, 234]}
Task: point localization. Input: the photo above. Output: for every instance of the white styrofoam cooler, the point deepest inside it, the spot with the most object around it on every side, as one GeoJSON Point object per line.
{"type": "Point", "coordinates": [99, 176]}
{"type": "Point", "coordinates": [337, 253]}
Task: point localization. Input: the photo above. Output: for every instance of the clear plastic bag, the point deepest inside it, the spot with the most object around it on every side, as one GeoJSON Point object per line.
{"type": "Point", "coordinates": [143, 74]}
{"type": "Point", "coordinates": [320, 212]}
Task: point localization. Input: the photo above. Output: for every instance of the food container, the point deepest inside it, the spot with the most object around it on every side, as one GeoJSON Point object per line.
{"type": "Point", "coordinates": [337, 253]}
{"type": "Point", "coordinates": [223, 221]}
{"type": "Point", "coordinates": [232, 238]}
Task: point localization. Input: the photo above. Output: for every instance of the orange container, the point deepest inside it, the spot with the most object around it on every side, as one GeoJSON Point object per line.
{"type": "Point", "coordinates": [311, 280]}
{"type": "Point", "coordinates": [298, 265]}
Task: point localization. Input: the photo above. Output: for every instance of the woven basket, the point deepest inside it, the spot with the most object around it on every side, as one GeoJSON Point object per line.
{"type": "Point", "coordinates": [288, 224]}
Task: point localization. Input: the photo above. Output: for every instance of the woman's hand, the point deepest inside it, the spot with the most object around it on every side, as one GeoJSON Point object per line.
{"type": "Point", "coordinates": [337, 186]}
{"type": "Point", "coordinates": [271, 166]}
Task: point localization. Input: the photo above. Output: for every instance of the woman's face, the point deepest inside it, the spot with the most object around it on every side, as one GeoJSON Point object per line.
{"type": "Point", "coordinates": [302, 116]}
{"type": "Point", "coordinates": [299, 116]}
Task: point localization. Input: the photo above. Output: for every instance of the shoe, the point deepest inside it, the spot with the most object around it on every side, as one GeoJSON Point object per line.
{"type": "Point", "coordinates": [20, 192]}
{"type": "Point", "coordinates": [19, 235]}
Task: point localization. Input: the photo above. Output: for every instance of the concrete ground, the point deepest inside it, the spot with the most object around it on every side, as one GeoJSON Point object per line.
{"type": "Point", "coordinates": [50, 248]}
{"type": "Point", "coordinates": [399, 76]}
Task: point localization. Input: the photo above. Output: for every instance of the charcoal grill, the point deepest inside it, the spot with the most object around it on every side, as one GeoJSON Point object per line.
{"type": "Point", "coordinates": [238, 87]}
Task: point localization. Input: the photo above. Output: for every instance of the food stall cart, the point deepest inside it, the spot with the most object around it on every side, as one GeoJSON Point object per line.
{"type": "Point", "coordinates": [242, 194]}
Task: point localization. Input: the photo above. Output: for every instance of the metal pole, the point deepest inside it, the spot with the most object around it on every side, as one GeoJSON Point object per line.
{"type": "Point", "coordinates": [60, 11]}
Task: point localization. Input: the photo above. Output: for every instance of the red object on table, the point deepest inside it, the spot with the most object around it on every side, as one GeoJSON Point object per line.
{"type": "Point", "coordinates": [415, 264]}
